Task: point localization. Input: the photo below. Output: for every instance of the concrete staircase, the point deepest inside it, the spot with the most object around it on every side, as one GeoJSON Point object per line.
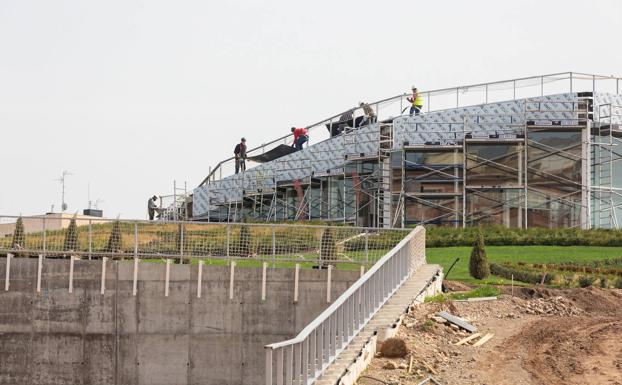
{"type": "Point", "coordinates": [349, 363]}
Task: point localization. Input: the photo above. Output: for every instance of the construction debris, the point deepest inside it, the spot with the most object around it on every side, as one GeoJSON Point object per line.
{"type": "Point", "coordinates": [483, 340]}
{"type": "Point", "coordinates": [428, 380]}
{"type": "Point", "coordinates": [467, 339]}
{"type": "Point", "coordinates": [556, 306]}
{"type": "Point", "coordinates": [457, 321]}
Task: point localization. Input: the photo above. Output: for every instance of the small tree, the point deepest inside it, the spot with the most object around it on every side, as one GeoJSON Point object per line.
{"type": "Point", "coordinates": [71, 236]}
{"type": "Point", "coordinates": [328, 246]}
{"type": "Point", "coordinates": [19, 236]}
{"type": "Point", "coordinates": [478, 263]}
{"type": "Point", "coordinates": [115, 242]}
{"type": "Point", "coordinates": [244, 245]}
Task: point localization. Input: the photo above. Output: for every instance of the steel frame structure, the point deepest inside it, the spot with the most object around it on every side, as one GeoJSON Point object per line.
{"type": "Point", "coordinates": [528, 132]}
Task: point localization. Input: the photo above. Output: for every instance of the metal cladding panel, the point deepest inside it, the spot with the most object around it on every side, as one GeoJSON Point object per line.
{"type": "Point", "coordinates": [608, 107]}
{"type": "Point", "coordinates": [486, 119]}
{"type": "Point", "coordinates": [199, 200]}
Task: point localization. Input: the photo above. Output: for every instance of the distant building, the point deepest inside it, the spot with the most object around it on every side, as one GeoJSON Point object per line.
{"type": "Point", "coordinates": [53, 221]}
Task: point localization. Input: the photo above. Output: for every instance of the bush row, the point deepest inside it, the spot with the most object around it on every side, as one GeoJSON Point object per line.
{"type": "Point", "coordinates": [506, 271]}
{"type": "Point", "coordinates": [502, 236]}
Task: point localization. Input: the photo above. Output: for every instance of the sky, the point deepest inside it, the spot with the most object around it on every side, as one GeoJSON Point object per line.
{"type": "Point", "coordinates": [131, 95]}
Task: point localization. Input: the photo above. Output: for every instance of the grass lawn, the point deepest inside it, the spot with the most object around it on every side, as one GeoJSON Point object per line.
{"type": "Point", "coordinates": [445, 256]}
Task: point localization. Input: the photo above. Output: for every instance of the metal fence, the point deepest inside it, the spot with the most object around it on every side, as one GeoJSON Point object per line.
{"type": "Point", "coordinates": [95, 238]}
{"type": "Point", "coordinates": [301, 360]}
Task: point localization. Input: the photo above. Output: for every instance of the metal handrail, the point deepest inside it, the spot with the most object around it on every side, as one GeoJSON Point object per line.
{"type": "Point", "coordinates": [426, 94]}
{"type": "Point", "coordinates": [321, 341]}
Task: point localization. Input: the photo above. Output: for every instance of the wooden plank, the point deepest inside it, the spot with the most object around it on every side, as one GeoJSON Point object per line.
{"type": "Point", "coordinates": [469, 338]}
{"type": "Point", "coordinates": [478, 299]}
{"type": "Point", "coordinates": [483, 340]}
{"type": "Point", "coordinates": [457, 321]}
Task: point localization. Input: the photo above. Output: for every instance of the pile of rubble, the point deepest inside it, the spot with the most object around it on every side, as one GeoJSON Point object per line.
{"type": "Point", "coordinates": [552, 306]}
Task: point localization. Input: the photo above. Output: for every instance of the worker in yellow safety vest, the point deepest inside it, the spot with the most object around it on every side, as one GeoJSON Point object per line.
{"type": "Point", "coordinates": [417, 102]}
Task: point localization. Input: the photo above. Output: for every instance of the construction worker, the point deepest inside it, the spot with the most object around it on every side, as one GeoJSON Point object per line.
{"type": "Point", "coordinates": [151, 207]}
{"type": "Point", "coordinates": [300, 137]}
{"type": "Point", "coordinates": [370, 116]}
{"type": "Point", "coordinates": [240, 156]}
{"type": "Point", "coordinates": [417, 102]}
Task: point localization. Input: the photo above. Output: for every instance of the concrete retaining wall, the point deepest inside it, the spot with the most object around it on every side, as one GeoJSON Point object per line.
{"type": "Point", "coordinates": [85, 337]}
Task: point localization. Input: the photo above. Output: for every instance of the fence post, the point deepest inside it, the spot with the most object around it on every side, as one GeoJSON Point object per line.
{"type": "Point", "coordinates": [228, 238]}
{"type": "Point", "coordinates": [135, 239]}
{"type": "Point", "coordinates": [90, 239]}
{"type": "Point", "coordinates": [273, 241]}
{"type": "Point", "coordinates": [44, 237]}
{"type": "Point", "coordinates": [366, 247]}
{"type": "Point", "coordinates": [181, 243]}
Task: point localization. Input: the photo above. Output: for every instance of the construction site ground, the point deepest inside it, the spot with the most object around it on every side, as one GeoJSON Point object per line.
{"type": "Point", "coordinates": [541, 336]}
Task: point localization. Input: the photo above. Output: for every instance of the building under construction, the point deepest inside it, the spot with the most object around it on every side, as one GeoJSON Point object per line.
{"type": "Point", "coordinates": [530, 152]}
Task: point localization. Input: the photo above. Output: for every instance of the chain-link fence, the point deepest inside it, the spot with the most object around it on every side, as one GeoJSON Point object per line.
{"type": "Point", "coordinates": [283, 243]}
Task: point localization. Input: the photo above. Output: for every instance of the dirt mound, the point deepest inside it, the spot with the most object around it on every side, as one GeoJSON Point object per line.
{"type": "Point", "coordinates": [591, 300]}
{"type": "Point", "coordinates": [542, 336]}
{"type": "Point", "coordinates": [571, 351]}
{"type": "Point", "coordinates": [455, 286]}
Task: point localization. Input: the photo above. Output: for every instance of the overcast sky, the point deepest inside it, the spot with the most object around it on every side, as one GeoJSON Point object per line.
{"type": "Point", "coordinates": [130, 95]}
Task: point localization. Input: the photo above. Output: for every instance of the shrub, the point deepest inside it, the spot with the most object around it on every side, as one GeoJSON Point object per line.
{"type": "Point", "coordinates": [394, 348]}
{"type": "Point", "coordinates": [328, 246]}
{"type": "Point", "coordinates": [115, 242]}
{"type": "Point", "coordinates": [586, 281]}
{"type": "Point", "coordinates": [244, 241]}
{"type": "Point", "coordinates": [19, 236]}
{"type": "Point", "coordinates": [618, 283]}
{"type": "Point", "coordinates": [519, 275]}
{"type": "Point", "coordinates": [438, 236]}
{"type": "Point", "coordinates": [478, 263]}
{"type": "Point", "coordinates": [71, 236]}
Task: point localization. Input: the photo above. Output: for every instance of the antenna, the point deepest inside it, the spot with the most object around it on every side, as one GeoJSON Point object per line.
{"type": "Point", "coordinates": [62, 178]}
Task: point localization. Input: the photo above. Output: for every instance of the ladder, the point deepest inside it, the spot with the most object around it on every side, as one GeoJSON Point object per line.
{"type": "Point", "coordinates": [384, 179]}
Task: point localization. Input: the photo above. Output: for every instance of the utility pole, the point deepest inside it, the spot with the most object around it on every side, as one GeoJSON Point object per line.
{"type": "Point", "coordinates": [62, 179]}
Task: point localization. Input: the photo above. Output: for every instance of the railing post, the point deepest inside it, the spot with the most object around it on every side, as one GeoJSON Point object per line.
{"type": "Point", "coordinates": [457, 97]}
{"type": "Point", "coordinates": [486, 93]}
{"type": "Point", "coordinates": [541, 86]}
{"type": "Point", "coordinates": [429, 98]}
{"type": "Point", "coordinates": [269, 366]}
{"type": "Point", "coordinates": [571, 82]}
{"type": "Point", "coordinates": [289, 365]}
{"type": "Point", "coordinates": [135, 239]}
{"type": "Point", "coordinates": [593, 84]}
{"type": "Point", "coordinates": [279, 366]}
{"type": "Point", "coordinates": [305, 362]}
{"type": "Point", "coordinates": [514, 88]}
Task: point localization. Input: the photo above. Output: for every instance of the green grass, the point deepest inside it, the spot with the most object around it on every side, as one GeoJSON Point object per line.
{"type": "Point", "coordinates": [445, 256]}
{"type": "Point", "coordinates": [252, 263]}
